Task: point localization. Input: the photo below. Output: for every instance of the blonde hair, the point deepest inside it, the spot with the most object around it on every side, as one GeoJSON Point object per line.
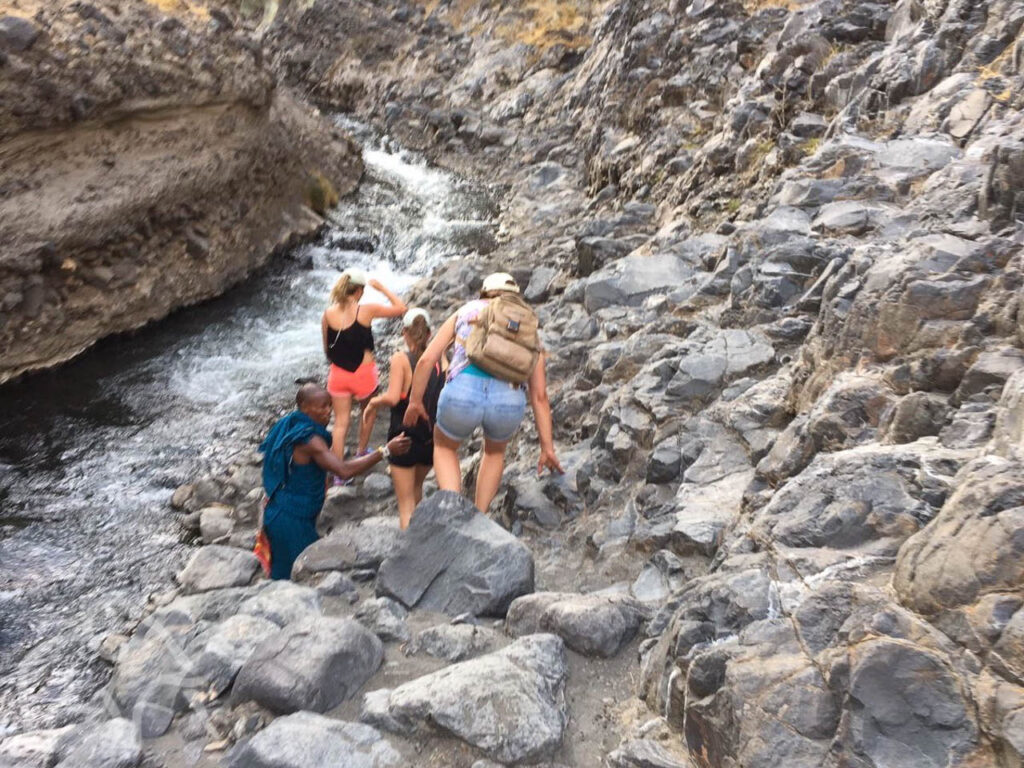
{"type": "Point", "coordinates": [344, 289]}
{"type": "Point", "coordinates": [417, 334]}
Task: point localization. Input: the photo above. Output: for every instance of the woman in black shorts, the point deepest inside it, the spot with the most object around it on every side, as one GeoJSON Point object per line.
{"type": "Point", "coordinates": [409, 470]}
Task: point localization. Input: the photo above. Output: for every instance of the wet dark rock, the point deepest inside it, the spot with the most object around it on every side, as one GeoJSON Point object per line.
{"type": "Point", "coordinates": [454, 560]}
{"type": "Point", "coordinates": [313, 664]}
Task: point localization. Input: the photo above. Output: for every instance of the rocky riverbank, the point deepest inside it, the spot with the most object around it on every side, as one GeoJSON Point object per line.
{"type": "Point", "coordinates": [777, 250]}
{"type": "Point", "coordinates": [149, 162]}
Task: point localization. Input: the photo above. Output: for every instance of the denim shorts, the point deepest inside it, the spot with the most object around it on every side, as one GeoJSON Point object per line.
{"type": "Point", "coordinates": [469, 401]}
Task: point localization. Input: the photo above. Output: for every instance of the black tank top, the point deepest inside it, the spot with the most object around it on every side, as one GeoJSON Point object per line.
{"type": "Point", "coordinates": [346, 348]}
{"type": "Point", "coordinates": [422, 431]}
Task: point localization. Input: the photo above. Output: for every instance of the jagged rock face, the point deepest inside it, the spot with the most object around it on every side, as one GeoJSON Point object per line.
{"type": "Point", "coordinates": [139, 175]}
{"type": "Point", "coordinates": [777, 250]}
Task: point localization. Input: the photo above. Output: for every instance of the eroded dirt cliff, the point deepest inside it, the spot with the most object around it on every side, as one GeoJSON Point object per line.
{"type": "Point", "coordinates": [148, 160]}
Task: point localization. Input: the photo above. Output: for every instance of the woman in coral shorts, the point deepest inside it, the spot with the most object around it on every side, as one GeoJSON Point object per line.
{"type": "Point", "coordinates": [348, 344]}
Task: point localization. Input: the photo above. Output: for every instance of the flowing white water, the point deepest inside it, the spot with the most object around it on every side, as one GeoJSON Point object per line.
{"type": "Point", "coordinates": [89, 453]}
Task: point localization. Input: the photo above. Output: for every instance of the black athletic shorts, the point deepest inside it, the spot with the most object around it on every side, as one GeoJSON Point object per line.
{"type": "Point", "coordinates": [421, 453]}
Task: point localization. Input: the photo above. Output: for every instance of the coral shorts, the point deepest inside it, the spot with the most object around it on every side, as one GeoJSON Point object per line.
{"type": "Point", "coordinates": [360, 383]}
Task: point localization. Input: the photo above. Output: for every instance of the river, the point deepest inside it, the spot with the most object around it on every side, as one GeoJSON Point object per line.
{"type": "Point", "coordinates": [90, 452]}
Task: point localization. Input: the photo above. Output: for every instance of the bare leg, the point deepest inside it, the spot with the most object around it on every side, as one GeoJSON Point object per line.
{"type": "Point", "coordinates": [365, 428]}
{"type": "Point", "coordinates": [404, 479]}
{"type": "Point", "coordinates": [421, 475]}
{"type": "Point", "coordinates": [488, 476]}
{"type": "Point", "coordinates": [342, 415]}
{"type": "Point", "coordinates": [446, 462]}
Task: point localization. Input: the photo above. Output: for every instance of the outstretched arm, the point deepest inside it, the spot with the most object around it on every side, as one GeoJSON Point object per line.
{"type": "Point", "coordinates": [396, 308]}
{"type": "Point", "coordinates": [542, 415]}
{"type": "Point", "coordinates": [415, 411]}
{"type": "Point", "coordinates": [317, 450]}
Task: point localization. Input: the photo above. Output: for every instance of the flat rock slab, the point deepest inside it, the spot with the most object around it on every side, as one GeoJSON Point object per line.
{"type": "Point", "coordinates": [594, 625]}
{"type": "Point", "coordinates": [455, 560]}
{"type": "Point", "coordinates": [217, 567]}
{"type": "Point", "coordinates": [113, 744]}
{"type": "Point", "coordinates": [33, 749]}
{"type": "Point", "coordinates": [305, 740]}
{"type": "Point", "coordinates": [313, 664]}
{"type": "Point", "coordinates": [510, 704]}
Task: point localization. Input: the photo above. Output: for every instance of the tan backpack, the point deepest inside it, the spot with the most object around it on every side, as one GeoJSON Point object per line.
{"type": "Point", "coordinates": [504, 341]}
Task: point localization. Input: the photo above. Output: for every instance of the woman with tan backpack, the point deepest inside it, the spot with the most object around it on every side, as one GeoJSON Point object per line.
{"type": "Point", "coordinates": [497, 360]}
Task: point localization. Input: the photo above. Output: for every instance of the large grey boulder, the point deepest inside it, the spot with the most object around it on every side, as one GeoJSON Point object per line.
{"type": "Point", "coordinates": [220, 653]}
{"type": "Point", "coordinates": [594, 625]}
{"type": "Point", "coordinates": [352, 545]}
{"type": "Point", "coordinates": [113, 744]}
{"type": "Point", "coordinates": [509, 704]}
{"type": "Point", "coordinates": [313, 664]}
{"type": "Point", "coordinates": [196, 644]}
{"type": "Point", "coordinates": [305, 740]}
{"type": "Point", "coordinates": [455, 560]}
{"type": "Point", "coordinates": [907, 707]}
{"type": "Point", "coordinates": [217, 567]}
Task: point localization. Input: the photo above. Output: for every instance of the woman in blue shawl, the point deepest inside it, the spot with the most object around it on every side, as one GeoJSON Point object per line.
{"type": "Point", "coordinates": [296, 459]}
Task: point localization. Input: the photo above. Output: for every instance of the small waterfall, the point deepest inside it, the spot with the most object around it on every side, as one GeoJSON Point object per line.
{"type": "Point", "coordinates": [90, 453]}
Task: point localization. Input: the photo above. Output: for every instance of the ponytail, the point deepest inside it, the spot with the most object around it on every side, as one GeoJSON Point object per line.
{"type": "Point", "coordinates": [418, 334]}
{"type": "Point", "coordinates": [343, 289]}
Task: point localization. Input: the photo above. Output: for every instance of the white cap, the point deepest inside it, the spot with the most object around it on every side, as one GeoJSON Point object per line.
{"type": "Point", "coordinates": [500, 281]}
{"type": "Point", "coordinates": [356, 276]}
{"type": "Point", "coordinates": [410, 317]}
